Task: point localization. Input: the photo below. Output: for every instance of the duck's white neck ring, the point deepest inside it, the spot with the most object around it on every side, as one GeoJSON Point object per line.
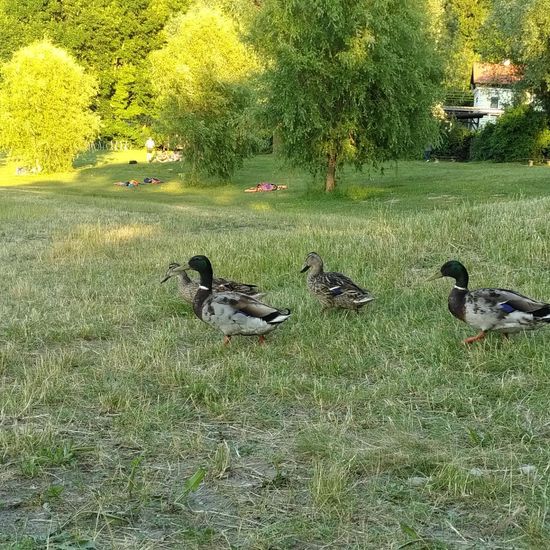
{"type": "Point", "coordinates": [203, 287]}
{"type": "Point", "coordinates": [460, 288]}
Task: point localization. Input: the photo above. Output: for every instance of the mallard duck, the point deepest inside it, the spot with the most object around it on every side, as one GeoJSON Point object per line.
{"type": "Point", "coordinates": [333, 290]}
{"type": "Point", "coordinates": [232, 312]}
{"type": "Point", "coordinates": [188, 288]}
{"type": "Point", "coordinates": [486, 309]}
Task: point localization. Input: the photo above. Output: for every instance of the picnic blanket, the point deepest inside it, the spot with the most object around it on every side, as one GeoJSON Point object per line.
{"type": "Point", "coordinates": [135, 183]}
{"type": "Point", "coordinates": [265, 186]}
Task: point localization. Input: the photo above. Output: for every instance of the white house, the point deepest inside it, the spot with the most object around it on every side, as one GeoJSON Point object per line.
{"type": "Point", "coordinates": [492, 86]}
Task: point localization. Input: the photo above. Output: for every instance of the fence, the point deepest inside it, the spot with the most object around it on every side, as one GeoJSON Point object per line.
{"type": "Point", "coordinates": [114, 145]}
{"type": "Point", "coordinates": [459, 98]}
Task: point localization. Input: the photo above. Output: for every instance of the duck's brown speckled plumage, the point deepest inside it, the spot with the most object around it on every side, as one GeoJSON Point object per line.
{"type": "Point", "coordinates": [492, 309]}
{"type": "Point", "coordinates": [332, 289]}
{"type": "Point", "coordinates": [188, 288]}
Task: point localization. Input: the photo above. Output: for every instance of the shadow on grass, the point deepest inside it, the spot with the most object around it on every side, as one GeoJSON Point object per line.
{"type": "Point", "coordinates": [96, 175]}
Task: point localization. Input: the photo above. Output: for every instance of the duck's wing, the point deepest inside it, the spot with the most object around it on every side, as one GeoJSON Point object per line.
{"type": "Point", "coordinates": [504, 310]}
{"type": "Point", "coordinates": [338, 284]}
{"type": "Point", "coordinates": [504, 301]}
{"type": "Point", "coordinates": [250, 306]}
{"type": "Point", "coordinates": [509, 301]}
{"type": "Point", "coordinates": [227, 285]}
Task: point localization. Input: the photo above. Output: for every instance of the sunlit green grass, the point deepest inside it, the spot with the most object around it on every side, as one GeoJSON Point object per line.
{"type": "Point", "coordinates": [372, 430]}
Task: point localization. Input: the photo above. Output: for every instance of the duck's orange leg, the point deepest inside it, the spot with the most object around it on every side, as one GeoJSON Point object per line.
{"type": "Point", "coordinates": [226, 340]}
{"type": "Point", "coordinates": [476, 338]}
{"type": "Point", "coordinates": [261, 339]}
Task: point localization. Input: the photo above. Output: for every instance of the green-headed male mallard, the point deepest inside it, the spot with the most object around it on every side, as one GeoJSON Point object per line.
{"type": "Point", "coordinates": [188, 288]}
{"type": "Point", "coordinates": [496, 309]}
{"type": "Point", "coordinates": [333, 290]}
{"type": "Point", "coordinates": [232, 312]}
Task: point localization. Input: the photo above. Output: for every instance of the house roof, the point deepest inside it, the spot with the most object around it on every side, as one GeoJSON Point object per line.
{"type": "Point", "coordinates": [487, 74]}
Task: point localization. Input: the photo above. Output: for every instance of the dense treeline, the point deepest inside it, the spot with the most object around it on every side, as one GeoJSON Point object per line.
{"type": "Point", "coordinates": [362, 61]}
{"type": "Point", "coordinates": [110, 38]}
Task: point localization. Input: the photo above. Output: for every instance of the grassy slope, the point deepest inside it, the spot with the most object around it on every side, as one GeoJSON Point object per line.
{"type": "Point", "coordinates": [371, 430]}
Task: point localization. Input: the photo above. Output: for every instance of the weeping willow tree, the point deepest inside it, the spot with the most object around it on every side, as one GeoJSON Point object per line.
{"type": "Point", "coordinates": [348, 81]}
{"type": "Point", "coordinates": [45, 116]}
{"type": "Point", "coordinates": [203, 80]}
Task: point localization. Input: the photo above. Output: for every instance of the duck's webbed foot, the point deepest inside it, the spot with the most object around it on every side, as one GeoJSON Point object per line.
{"type": "Point", "coordinates": [226, 340]}
{"type": "Point", "coordinates": [261, 339]}
{"type": "Point", "coordinates": [476, 338]}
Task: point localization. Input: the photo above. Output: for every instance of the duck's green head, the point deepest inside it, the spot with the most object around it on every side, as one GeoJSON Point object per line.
{"type": "Point", "coordinates": [199, 263]}
{"type": "Point", "coordinates": [455, 270]}
{"type": "Point", "coordinates": [204, 267]}
{"type": "Point", "coordinates": [312, 260]}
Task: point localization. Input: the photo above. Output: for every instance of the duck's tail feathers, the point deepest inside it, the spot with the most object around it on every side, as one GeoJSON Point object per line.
{"type": "Point", "coordinates": [277, 317]}
{"type": "Point", "coordinates": [364, 300]}
{"type": "Point", "coordinates": [543, 314]}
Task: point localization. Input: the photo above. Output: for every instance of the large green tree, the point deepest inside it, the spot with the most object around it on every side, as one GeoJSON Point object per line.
{"type": "Point", "coordinates": [463, 38]}
{"type": "Point", "coordinates": [348, 80]}
{"type": "Point", "coordinates": [45, 116]}
{"type": "Point", "coordinates": [110, 38]}
{"type": "Point", "coordinates": [535, 50]}
{"type": "Point", "coordinates": [203, 78]}
{"type": "Point", "coordinates": [524, 29]}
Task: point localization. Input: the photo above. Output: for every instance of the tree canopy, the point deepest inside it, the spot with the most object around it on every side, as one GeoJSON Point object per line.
{"type": "Point", "coordinates": [203, 80]}
{"type": "Point", "coordinates": [111, 39]}
{"type": "Point", "coordinates": [348, 81]}
{"type": "Point", "coordinates": [45, 116]}
{"type": "Point", "coordinates": [525, 27]}
{"type": "Point", "coordinates": [464, 23]}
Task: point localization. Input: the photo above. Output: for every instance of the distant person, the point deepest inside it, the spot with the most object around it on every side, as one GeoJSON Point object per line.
{"type": "Point", "coordinates": [150, 147]}
{"type": "Point", "coordinates": [428, 152]}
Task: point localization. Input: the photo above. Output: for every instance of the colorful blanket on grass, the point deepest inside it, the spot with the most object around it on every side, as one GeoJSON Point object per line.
{"type": "Point", "coordinates": [265, 186]}
{"type": "Point", "coordinates": [135, 183]}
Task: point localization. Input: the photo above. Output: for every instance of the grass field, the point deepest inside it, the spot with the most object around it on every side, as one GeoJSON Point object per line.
{"type": "Point", "coordinates": [124, 422]}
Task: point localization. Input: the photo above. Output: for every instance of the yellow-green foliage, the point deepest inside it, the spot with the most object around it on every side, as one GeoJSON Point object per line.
{"type": "Point", "coordinates": [45, 117]}
{"type": "Point", "coordinates": [202, 47]}
{"type": "Point", "coordinates": [202, 82]}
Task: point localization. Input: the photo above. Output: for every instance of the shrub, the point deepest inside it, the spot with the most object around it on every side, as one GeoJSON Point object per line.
{"type": "Point", "coordinates": [455, 139]}
{"type": "Point", "coordinates": [543, 143]}
{"type": "Point", "coordinates": [519, 134]}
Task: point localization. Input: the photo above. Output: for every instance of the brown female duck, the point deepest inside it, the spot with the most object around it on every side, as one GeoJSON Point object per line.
{"type": "Point", "coordinates": [188, 288]}
{"type": "Point", "coordinates": [333, 289]}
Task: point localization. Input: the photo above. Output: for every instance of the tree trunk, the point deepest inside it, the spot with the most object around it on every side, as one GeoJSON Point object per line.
{"type": "Point", "coordinates": [330, 182]}
{"type": "Point", "coordinates": [277, 142]}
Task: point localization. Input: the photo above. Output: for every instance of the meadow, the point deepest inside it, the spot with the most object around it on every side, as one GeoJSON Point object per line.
{"type": "Point", "coordinates": [125, 423]}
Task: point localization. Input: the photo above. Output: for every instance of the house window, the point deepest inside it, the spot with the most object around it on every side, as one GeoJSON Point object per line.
{"type": "Point", "coordinates": [494, 102]}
